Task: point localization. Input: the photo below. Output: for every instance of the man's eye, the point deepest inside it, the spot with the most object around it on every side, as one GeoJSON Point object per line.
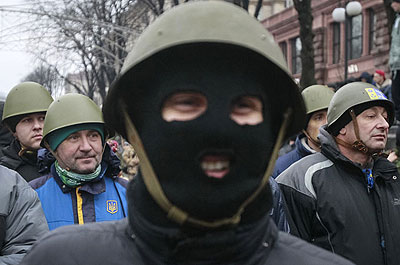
{"type": "Point", "coordinates": [73, 137]}
{"type": "Point", "coordinates": [184, 106]}
{"type": "Point", "coordinates": [245, 104]}
{"type": "Point", "coordinates": [318, 118]}
{"type": "Point", "coordinates": [94, 135]}
{"type": "Point", "coordinates": [185, 103]}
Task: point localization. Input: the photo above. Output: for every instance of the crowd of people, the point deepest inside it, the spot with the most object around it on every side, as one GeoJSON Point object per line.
{"type": "Point", "coordinates": [204, 106]}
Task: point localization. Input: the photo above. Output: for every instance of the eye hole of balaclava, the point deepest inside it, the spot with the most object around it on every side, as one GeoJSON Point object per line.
{"type": "Point", "coordinates": [188, 105]}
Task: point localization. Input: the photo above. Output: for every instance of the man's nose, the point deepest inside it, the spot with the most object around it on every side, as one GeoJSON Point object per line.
{"type": "Point", "coordinates": [383, 123]}
{"type": "Point", "coordinates": [85, 146]}
{"type": "Point", "coordinates": [37, 124]}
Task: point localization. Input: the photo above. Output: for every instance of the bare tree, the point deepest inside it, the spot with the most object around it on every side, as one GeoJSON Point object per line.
{"type": "Point", "coordinates": [85, 41]}
{"type": "Point", "coordinates": [304, 11]}
{"type": "Point", "coordinates": [159, 6]}
{"type": "Point", "coordinates": [48, 78]}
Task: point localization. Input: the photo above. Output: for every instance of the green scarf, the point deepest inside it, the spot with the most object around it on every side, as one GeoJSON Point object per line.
{"type": "Point", "coordinates": [72, 179]}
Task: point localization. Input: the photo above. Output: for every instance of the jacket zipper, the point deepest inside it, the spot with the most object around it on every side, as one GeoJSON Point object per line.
{"type": "Point", "coordinates": [379, 209]}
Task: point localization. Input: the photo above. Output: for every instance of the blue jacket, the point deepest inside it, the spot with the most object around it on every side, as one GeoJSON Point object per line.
{"type": "Point", "coordinates": [296, 154]}
{"type": "Point", "coordinates": [100, 200]}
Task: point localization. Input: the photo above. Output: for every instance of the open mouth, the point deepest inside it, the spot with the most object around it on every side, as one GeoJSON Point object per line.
{"type": "Point", "coordinates": [215, 165]}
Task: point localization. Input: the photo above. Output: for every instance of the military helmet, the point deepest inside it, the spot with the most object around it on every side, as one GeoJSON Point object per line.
{"type": "Point", "coordinates": [317, 97]}
{"type": "Point", "coordinates": [70, 109]}
{"type": "Point", "coordinates": [26, 98]}
{"type": "Point", "coordinates": [206, 23]}
{"type": "Point", "coordinates": [358, 96]}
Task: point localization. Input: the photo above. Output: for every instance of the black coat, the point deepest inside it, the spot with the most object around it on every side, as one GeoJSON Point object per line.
{"type": "Point", "coordinates": [331, 206]}
{"type": "Point", "coordinates": [114, 243]}
{"type": "Point", "coordinates": [26, 165]}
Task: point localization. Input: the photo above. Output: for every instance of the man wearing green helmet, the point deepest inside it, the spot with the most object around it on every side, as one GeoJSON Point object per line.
{"type": "Point", "coordinates": [346, 198]}
{"type": "Point", "coordinates": [24, 110]}
{"type": "Point", "coordinates": [316, 98]}
{"type": "Point", "coordinates": [82, 185]}
{"type": "Point", "coordinates": [195, 100]}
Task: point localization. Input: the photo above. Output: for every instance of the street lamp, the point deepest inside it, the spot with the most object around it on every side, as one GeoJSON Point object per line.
{"type": "Point", "coordinates": [340, 14]}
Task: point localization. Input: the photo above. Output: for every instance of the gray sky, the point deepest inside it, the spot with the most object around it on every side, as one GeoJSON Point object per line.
{"type": "Point", "coordinates": [14, 62]}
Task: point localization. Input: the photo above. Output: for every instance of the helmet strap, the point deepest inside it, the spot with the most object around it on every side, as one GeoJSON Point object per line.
{"type": "Point", "coordinates": [358, 144]}
{"type": "Point", "coordinates": [316, 142]}
{"type": "Point", "coordinates": [176, 214]}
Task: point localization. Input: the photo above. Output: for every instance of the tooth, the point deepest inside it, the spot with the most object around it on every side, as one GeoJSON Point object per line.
{"type": "Point", "coordinates": [219, 165]}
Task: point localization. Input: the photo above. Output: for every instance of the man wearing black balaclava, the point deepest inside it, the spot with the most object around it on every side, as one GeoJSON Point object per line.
{"type": "Point", "coordinates": [206, 101]}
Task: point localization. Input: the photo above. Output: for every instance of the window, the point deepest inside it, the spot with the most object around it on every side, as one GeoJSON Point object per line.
{"type": "Point", "coordinates": [296, 49]}
{"type": "Point", "coordinates": [372, 29]}
{"type": "Point", "coordinates": [288, 3]}
{"type": "Point", "coordinates": [336, 42]}
{"type": "Point", "coordinates": [354, 37]}
{"type": "Point", "coordinates": [283, 47]}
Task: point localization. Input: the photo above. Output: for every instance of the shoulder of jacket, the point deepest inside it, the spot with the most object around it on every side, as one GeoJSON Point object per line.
{"type": "Point", "coordinates": [10, 177]}
{"type": "Point", "coordinates": [10, 161]}
{"type": "Point", "coordinates": [122, 181]}
{"type": "Point", "coordinates": [300, 174]}
{"type": "Point", "coordinates": [301, 252]}
{"type": "Point", "coordinates": [301, 166]}
{"type": "Point", "coordinates": [40, 181]}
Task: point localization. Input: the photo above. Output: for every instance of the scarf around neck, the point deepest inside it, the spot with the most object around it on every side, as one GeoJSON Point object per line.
{"type": "Point", "coordinates": [72, 179]}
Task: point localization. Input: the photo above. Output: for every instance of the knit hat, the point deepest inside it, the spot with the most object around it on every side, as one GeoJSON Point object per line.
{"type": "Point", "coordinates": [397, 1]}
{"type": "Point", "coordinates": [58, 136]}
{"type": "Point", "coordinates": [380, 72]}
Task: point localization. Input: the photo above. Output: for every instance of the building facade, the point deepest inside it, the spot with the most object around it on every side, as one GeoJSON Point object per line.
{"type": "Point", "coordinates": [367, 39]}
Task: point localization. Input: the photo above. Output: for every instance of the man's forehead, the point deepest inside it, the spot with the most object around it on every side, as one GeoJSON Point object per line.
{"type": "Point", "coordinates": [85, 131]}
{"type": "Point", "coordinates": [35, 114]}
{"type": "Point", "coordinates": [378, 109]}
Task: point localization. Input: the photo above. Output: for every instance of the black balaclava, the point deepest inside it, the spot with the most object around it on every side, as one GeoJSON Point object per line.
{"type": "Point", "coordinates": [221, 74]}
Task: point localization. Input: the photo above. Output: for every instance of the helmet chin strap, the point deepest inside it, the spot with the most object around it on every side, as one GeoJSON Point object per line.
{"type": "Point", "coordinates": [358, 144]}
{"type": "Point", "coordinates": [173, 212]}
{"type": "Point", "coordinates": [316, 142]}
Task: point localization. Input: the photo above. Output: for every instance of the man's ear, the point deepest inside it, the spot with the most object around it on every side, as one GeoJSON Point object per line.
{"type": "Point", "coordinates": [343, 131]}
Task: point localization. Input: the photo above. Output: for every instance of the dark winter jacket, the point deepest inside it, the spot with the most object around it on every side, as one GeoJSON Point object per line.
{"type": "Point", "coordinates": [331, 205]}
{"type": "Point", "coordinates": [115, 243]}
{"type": "Point", "coordinates": [6, 136]}
{"type": "Point", "coordinates": [22, 220]}
{"type": "Point", "coordinates": [25, 165]}
{"type": "Point", "coordinates": [300, 151]}
{"type": "Point", "coordinates": [278, 211]}
{"type": "Point", "coordinates": [102, 199]}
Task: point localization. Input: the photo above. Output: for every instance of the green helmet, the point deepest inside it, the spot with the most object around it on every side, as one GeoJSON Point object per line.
{"type": "Point", "coordinates": [203, 26]}
{"type": "Point", "coordinates": [70, 109]}
{"type": "Point", "coordinates": [204, 23]}
{"type": "Point", "coordinates": [317, 97]}
{"type": "Point", "coordinates": [26, 98]}
{"type": "Point", "coordinates": [358, 96]}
